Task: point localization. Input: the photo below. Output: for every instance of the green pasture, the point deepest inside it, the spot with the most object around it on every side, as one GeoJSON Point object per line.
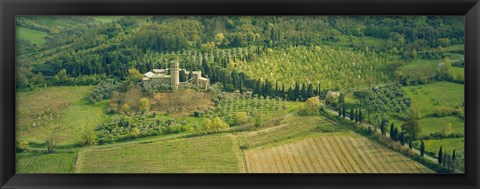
{"type": "Point", "coordinates": [427, 97]}
{"type": "Point", "coordinates": [34, 36]}
{"type": "Point", "coordinates": [208, 154]}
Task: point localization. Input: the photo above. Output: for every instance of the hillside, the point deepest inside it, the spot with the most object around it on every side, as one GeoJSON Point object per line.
{"type": "Point", "coordinates": [240, 94]}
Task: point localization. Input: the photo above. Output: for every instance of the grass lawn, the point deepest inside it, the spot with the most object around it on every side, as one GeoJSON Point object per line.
{"type": "Point", "coordinates": [34, 36]}
{"type": "Point", "coordinates": [107, 19]}
{"type": "Point", "coordinates": [458, 73]}
{"type": "Point", "coordinates": [448, 144]}
{"type": "Point", "coordinates": [437, 124]}
{"type": "Point", "coordinates": [207, 154]}
{"type": "Point", "coordinates": [60, 110]}
{"type": "Point", "coordinates": [45, 163]}
{"type": "Point", "coordinates": [455, 48]}
{"type": "Point", "coordinates": [433, 124]}
{"type": "Point", "coordinates": [420, 68]}
{"type": "Point", "coordinates": [427, 97]}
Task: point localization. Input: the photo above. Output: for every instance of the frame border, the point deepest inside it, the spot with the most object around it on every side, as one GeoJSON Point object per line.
{"type": "Point", "coordinates": [11, 8]}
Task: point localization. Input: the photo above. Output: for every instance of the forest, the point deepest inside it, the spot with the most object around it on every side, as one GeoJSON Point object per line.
{"type": "Point", "coordinates": [393, 84]}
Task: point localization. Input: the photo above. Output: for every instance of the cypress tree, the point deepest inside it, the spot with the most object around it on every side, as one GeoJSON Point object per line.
{"type": "Point", "coordinates": [258, 88]}
{"type": "Point", "coordinates": [440, 155]}
{"type": "Point", "coordinates": [453, 155]}
{"type": "Point", "coordinates": [402, 138]}
{"type": "Point", "coordinates": [241, 85]}
{"type": "Point", "coordinates": [344, 111]}
{"type": "Point", "coordinates": [304, 92]}
{"type": "Point", "coordinates": [297, 91]}
{"type": "Point", "coordinates": [318, 91]}
{"type": "Point", "coordinates": [205, 67]}
{"type": "Point", "coordinates": [291, 94]}
{"type": "Point", "coordinates": [444, 159]}
{"type": "Point", "coordinates": [356, 116]}
{"type": "Point", "coordinates": [452, 162]}
{"type": "Point", "coordinates": [382, 127]}
{"type": "Point", "coordinates": [310, 90]}
{"type": "Point", "coordinates": [410, 143]}
{"type": "Point", "coordinates": [277, 91]}
{"type": "Point", "coordinates": [340, 112]}
{"type": "Point", "coordinates": [360, 115]}
{"type": "Point", "coordinates": [392, 128]}
{"type": "Point", "coordinates": [234, 76]}
{"type": "Point", "coordinates": [224, 80]}
{"type": "Point", "coordinates": [351, 115]}
{"type": "Point", "coordinates": [266, 89]}
{"type": "Point", "coordinates": [395, 134]}
{"type": "Point", "coordinates": [422, 148]}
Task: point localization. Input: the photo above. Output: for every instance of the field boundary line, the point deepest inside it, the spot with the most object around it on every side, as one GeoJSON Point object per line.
{"type": "Point", "coordinates": [241, 164]}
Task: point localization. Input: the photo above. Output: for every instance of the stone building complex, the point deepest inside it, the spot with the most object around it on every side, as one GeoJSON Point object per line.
{"type": "Point", "coordinates": [171, 77]}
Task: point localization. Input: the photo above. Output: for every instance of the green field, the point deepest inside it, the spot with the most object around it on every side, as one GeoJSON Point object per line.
{"type": "Point", "coordinates": [434, 124]}
{"type": "Point", "coordinates": [60, 111]}
{"type": "Point", "coordinates": [419, 68]}
{"type": "Point", "coordinates": [437, 124]}
{"type": "Point", "coordinates": [448, 144]}
{"type": "Point", "coordinates": [34, 36]}
{"type": "Point", "coordinates": [107, 19]}
{"type": "Point", "coordinates": [294, 126]}
{"type": "Point", "coordinates": [214, 153]}
{"type": "Point", "coordinates": [45, 163]}
{"type": "Point", "coordinates": [427, 97]}
{"type": "Point", "coordinates": [458, 73]}
{"type": "Point", "coordinates": [455, 48]}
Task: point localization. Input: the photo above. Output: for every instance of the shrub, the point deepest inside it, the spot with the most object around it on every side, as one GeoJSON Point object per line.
{"type": "Point", "coordinates": [175, 128]}
{"type": "Point", "coordinates": [214, 125]}
{"type": "Point", "coordinates": [258, 122]}
{"type": "Point", "coordinates": [88, 138]}
{"type": "Point", "coordinates": [136, 132]}
{"type": "Point", "coordinates": [241, 118]}
{"type": "Point", "coordinates": [245, 146]}
{"type": "Point", "coordinates": [196, 113]}
{"type": "Point", "coordinates": [310, 107]}
{"type": "Point", "coordinates": [442, 111]}
{"type": "Point", "coordinates": [23, 145]}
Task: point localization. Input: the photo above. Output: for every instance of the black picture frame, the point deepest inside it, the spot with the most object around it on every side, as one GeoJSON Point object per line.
{"type": "Point", "coordinates": [11, 8]}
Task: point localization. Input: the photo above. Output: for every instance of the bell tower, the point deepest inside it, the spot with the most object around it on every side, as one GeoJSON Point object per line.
{"type": "Point", "coordinates": [174, 72]}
